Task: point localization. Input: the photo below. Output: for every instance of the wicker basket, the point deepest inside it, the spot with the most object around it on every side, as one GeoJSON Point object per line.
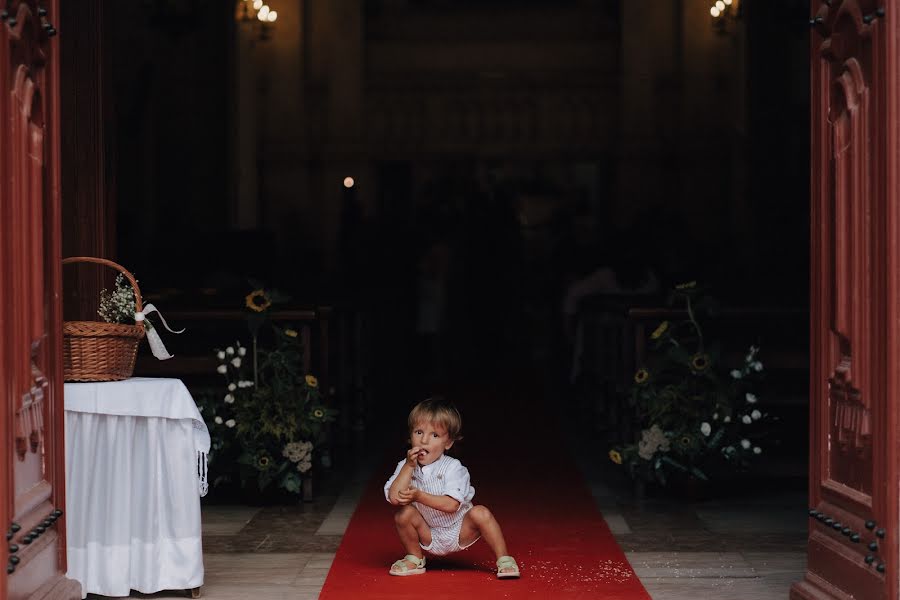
{"type": "Point", "coordinates": [98, 351]}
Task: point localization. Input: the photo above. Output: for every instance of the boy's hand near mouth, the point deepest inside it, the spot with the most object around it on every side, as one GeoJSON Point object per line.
{"type": "Point", "coordinates": [414, 454]}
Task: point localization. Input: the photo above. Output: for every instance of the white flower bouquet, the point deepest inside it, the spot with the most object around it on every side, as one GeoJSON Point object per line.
{"type": "Point", "coordinates": [699, 419]}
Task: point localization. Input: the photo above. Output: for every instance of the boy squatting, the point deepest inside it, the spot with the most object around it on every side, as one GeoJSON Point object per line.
{"type": "Point", "coordinates": [435, 496]}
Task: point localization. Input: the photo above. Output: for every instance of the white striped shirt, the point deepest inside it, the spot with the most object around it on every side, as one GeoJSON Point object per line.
{"type": "Point", "coordinates": [444, 477]}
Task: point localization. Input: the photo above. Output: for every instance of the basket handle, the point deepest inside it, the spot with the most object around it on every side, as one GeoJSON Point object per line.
{"type": "Point", "coordinates": [138, 305]}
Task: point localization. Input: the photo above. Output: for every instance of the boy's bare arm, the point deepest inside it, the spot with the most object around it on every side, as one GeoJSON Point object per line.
{"type": "Point", "coordinates": [404, 477]}
{"type": "Point", "coordinates": [442, 503]}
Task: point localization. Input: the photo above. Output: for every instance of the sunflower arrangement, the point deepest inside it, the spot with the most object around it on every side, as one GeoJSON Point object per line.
{"type": "Point", "coordinates": [268, 421]}
{"type": "Point", "coordinates": [699, 419]}
{"type": "Point", "coordinates": [258, 300]}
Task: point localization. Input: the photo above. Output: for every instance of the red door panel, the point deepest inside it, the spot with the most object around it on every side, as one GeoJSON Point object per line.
{"type": "Point", "coordinates": [30, 318]}
{"type": "Point", "coordinates": [855, 289]}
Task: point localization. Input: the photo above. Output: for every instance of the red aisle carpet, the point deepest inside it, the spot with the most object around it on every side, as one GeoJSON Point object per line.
{"type": "Point", "coordinates": [522, 471]}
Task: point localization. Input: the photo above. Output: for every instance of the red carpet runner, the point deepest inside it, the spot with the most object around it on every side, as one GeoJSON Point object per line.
{"type": "Point", "coordinates": [522, 471]}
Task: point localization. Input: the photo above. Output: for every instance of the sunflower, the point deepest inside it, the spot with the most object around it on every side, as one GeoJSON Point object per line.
{"type": "Point", "coordinates": [686, 441]}
{"type": "Point", "coordinates": [318, 413]}
{"type": "Point", "coordinates": [290, 332]}
{"type": "Point", "coordinates": [258, 300]}
{"type": "Point", "coordinates": [657, 333]}
{"type": "Point", "coordinates": [312, 381]}
{"type": "Point", "coordinates": [699, 362]}
{"type": "Point", "coordinates": [615, 457]}
{"type": "Point", "coordinates": [642, 376]}
{"type": "Point", "coordinates": [263, 462]}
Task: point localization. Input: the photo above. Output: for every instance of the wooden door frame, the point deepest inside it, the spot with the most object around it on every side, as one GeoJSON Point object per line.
{"type": "Point", "coordinates": [79, 196]}
{"type": "Point", "coordinates": [51, 348]}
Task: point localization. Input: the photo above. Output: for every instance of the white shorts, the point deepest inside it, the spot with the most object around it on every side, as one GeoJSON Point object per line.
{"type": "Point", "coordinates": [445, 540]}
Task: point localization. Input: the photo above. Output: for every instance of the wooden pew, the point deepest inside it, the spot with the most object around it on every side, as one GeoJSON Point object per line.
{"type": "Point", "coordinates": [601, 351]}
{"type": "Point", "coordinates": [785, 330]}
{"type": "Point", "coordinates": [611, 336]}
{"type": "Point", "coordinates": [782, 334]}
{"type": "Point", "coordinates": [208, 329]}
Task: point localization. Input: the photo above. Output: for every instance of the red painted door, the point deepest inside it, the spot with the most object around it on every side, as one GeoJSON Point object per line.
{"type": "Point", "coordinates": [855, 292]}
{"type": "Point", "coordinates": [31, 435]}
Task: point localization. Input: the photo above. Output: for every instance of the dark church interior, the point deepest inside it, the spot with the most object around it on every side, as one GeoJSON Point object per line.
{"type": "Point", "coordinates": [490, 195]}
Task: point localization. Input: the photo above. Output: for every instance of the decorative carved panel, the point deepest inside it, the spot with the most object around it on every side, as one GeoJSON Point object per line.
{"type": "Point", "coordinates": [849, 219]}
{"type": "Point", "coordinates": [497, 120]}
{"type": "Point", "coordinates": [854, 302]}
{"type": "Point", "coordinates": [30, 314]}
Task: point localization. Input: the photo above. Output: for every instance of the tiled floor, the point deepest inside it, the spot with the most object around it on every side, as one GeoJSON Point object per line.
{"type": "Point", "coordinates": [748, 551]}
{"type": "Point", "coordinates": [751, 549]}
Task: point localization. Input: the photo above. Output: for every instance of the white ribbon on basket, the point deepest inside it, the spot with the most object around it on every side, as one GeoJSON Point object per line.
{"type": "Point", "coordinates": [156, 343]}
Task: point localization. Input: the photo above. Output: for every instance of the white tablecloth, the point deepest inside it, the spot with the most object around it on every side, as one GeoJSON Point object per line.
{"type": "Point", "coordinates": [135, 453]}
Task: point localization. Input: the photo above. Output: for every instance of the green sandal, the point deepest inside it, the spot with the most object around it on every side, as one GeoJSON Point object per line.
{"type": "Point", "coordinates": [403, 569]}
{"type": "Point", "coordinates": [507, 562]}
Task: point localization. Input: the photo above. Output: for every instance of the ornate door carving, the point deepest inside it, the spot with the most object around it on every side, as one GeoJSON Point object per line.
{"type": "Point", "coordinates": [855, 290]}
{"type": "Point", "coordinates": [30, 315]}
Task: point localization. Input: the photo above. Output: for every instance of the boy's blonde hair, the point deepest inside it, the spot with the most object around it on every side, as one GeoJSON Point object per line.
{"type": "Point", "coordinates": [437, 410]}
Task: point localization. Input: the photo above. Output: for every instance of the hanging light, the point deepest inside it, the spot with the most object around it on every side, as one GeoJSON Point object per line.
{"type": "Point", "coordinates": [726, 14]}
{"type": "Point", "coordinates": [257, 14]}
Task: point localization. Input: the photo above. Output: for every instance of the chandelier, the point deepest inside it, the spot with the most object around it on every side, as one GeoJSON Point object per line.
{"type": "Point", "coordinates": [724, 13]}
{"type": "Point", "coordinates": [257, 15]}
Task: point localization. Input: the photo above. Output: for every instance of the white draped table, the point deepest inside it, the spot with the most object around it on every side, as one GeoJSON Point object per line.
{"type": "Point", "coordinates": [135, 471]}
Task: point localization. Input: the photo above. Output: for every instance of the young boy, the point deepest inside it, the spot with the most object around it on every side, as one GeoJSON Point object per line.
{"type": "Point", "coordinates": [433, 489]}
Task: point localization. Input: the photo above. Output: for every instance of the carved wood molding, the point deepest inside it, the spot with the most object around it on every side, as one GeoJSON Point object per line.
{"type": "Point", "coordinates": [854, 326]}
{"type": "Point", "coordinates": [24, 37]}
{"type": "Point", "coordinates": [843, 24]}
{"type": "Point", "coordinates": [510, 119]}
{"type": "Point", "coordinates": [27, 181]}
{"type": "Point", "coordinates": [849, 239]}
{"type": "Point", "coordinates": [58, 588]}
{"type": "Point", "coordinates": [503, 119]}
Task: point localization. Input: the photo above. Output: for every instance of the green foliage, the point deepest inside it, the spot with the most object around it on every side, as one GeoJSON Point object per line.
{"type": "Point", "coordinates": [698, 418]}
{"type": "Point", "coordinates": [267, 425]}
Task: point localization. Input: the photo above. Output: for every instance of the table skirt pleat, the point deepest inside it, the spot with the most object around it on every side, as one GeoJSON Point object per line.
{"type": "Point", "coordinates": [132, 504]}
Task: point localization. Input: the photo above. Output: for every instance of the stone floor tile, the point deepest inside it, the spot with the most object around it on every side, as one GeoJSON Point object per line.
{"type": "Point", "coordinates": [247, 591]}
{"type": "Point", "coordinates": [616, 523]}
{"type": "Point", "coordinates": [320, 561]}
{"type": "Point", "coordinates": [766, 563]}
{"type": "Point", "coordinates": [226, 520]}
{"type": "Point", "coordinates": [271, 568]}
{"type": "Point", "coordinates": [757, 518]}
{"type": "Point", "coordinates": [690, 564]}
{"type": "Point", "coordinates": [668, 588]}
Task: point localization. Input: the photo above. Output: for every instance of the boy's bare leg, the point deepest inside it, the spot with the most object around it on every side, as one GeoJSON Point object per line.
{"type": "Point", "coordinates": [480, 521]}
{"type": "Point", "coordinates": [412, 529]}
